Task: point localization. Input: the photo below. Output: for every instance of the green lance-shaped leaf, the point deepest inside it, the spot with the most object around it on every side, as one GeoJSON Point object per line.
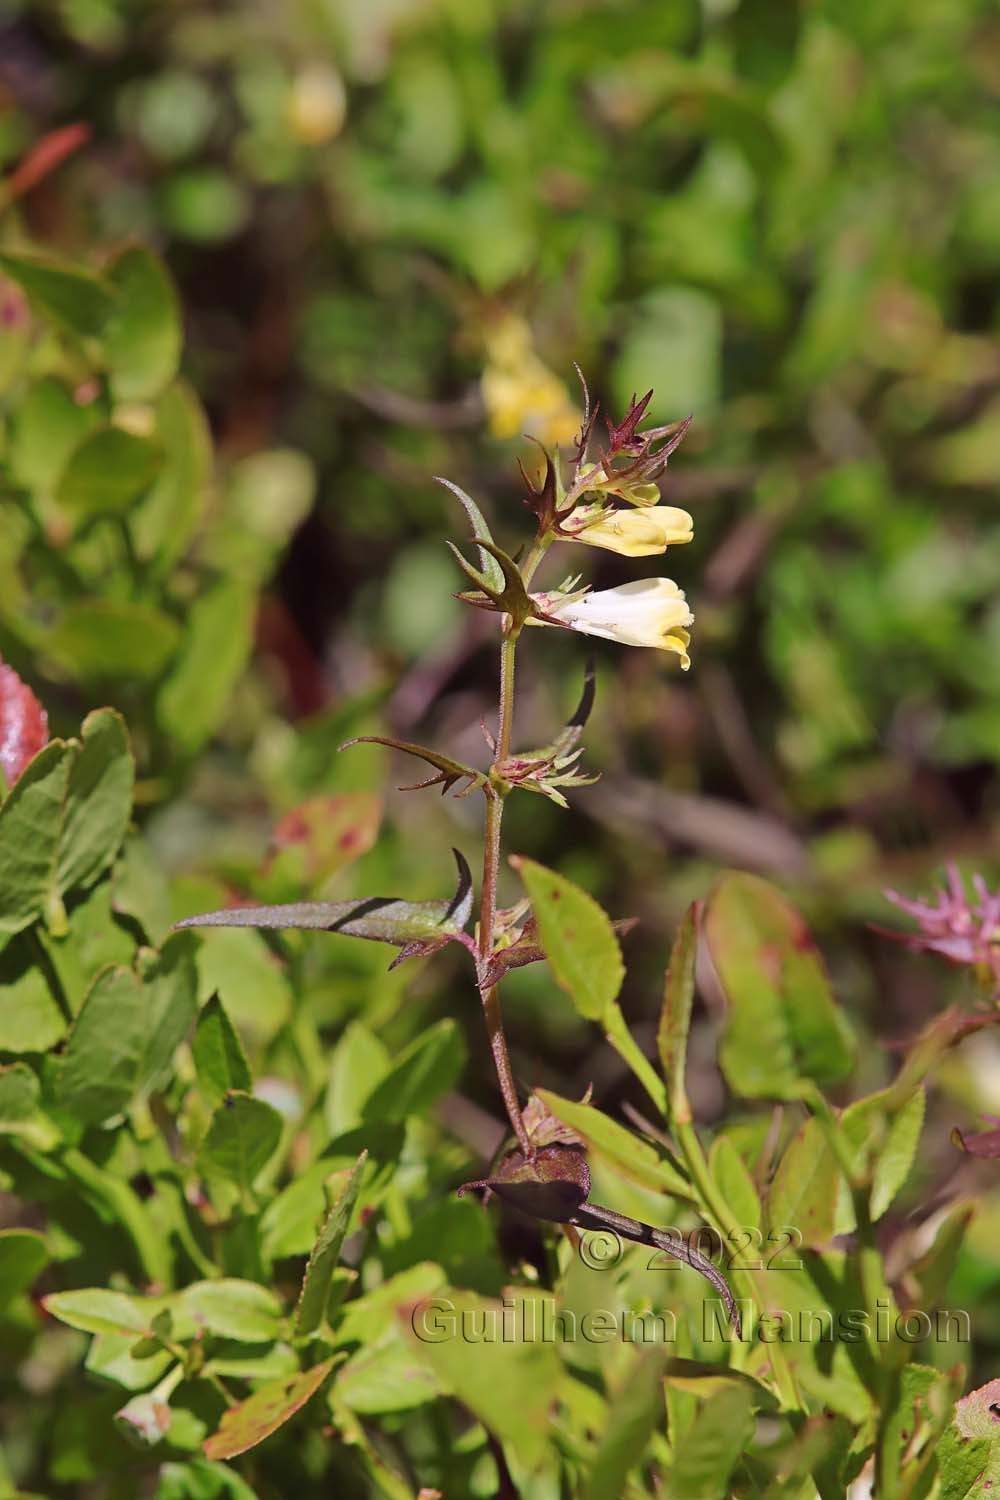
{"type": "Point", "coordinates": [219, 1059]}
{"type": "Point", "coordinates": [480, 530]}
{"type": "Point", "coordinates": [318, 1278]}
{"type": "Point", "coordinates": [805, 1188]}
{"type": "Point", "coordinates": [76, 301]}
{"type": "Point", "coordinates": [449, 771]}
{"type": "Point", "coordinates": [783, 1025]}
{"type": "Point", "coordinates": [580, 943]}
{"type": "Point", "coordinates": [249, 1422]}
{"type": "Point", "coordinates": [675, 1014]}
{"type": "Point", "coordinates": [423, 1071]}
{"type": "Point", "coordinates": [417, 928]}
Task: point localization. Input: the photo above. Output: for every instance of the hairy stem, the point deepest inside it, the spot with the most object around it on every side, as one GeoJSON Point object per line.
{"type": "Point", "coordinates": [488, 901]}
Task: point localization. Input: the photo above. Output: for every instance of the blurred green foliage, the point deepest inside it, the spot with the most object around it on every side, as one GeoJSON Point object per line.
{"type": "Point", "coordinates": [314, 254]}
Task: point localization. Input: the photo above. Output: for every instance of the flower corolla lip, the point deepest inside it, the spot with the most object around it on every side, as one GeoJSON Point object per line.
{"type": "Point", "coordinates": [646, 612]}
{"type": "Point", "coordinates": [632, 533]}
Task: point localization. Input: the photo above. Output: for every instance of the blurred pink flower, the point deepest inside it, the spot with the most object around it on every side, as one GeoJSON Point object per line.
{"type": "Point", "coordinates": [960, 929]}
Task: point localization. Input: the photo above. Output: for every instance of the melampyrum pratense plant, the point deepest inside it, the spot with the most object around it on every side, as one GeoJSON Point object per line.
{"type": "Point", "coordinates": [606, 499]}
{"type": "Point", "coordinates": [232, 1262]}
{"type": "Point", "coordinates": [814, 1331]}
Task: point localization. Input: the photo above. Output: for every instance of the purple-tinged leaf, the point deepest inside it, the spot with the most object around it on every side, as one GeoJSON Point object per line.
{"type": "Point", "coordinates": [986, 1143]}
{"type": "Point", "coordinates": [416, 927]}
{"type": "Point", "coordinates": [622, 435]}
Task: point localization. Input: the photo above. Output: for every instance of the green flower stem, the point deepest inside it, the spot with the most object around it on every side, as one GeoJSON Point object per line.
{"type": "Point", "coordinates": [723, 1221]}
{"type": "Point", "coordinates": [488, 900]}
{"type": "Point", "coordinates": [533, 557]}
{"type": "Point", "coordinates": [631, 1053]}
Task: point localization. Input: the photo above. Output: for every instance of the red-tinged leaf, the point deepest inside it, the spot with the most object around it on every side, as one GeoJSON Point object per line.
{"type": "Point", "coordinates": [986, 1144]}
{"type": "Point", "coordinates": [249, 1422]}
{"type": "Point", "coordinates": [43, 158]}
{"type": "Point", "coordinates": [324, 833]}
{"type": "Point", "coordinates": [24, 724]}
{"type": "Point", "coordinates": [977, 1415]}
{"type": "Point", "coordinates": [622, 435]}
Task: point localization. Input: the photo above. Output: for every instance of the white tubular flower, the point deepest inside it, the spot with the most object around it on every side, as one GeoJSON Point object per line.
{"type": "Point", "coordinates": [647, 612]}
{"type": "Point", "coordinates": [633, 533]}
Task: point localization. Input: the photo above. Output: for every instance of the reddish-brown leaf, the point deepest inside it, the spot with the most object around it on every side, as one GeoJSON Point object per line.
{"type": "Point", "coordinates": [249, 1422]}
{"type": "Point", "coordinates": [44, 157]}
{"type": "Point", "coordinates": [24, 724]}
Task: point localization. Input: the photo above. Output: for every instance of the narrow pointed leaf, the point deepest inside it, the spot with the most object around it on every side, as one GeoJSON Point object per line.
{"type": "Point", "coordinates": [219, 1059]}
{"type": "Point", "coordinates": [514, 599]}
{"type": "Point", "coordinates": [482, 580]}
{"type": "Point", "coordinates": [675, 1013]}
{"type": "Point", "coordinates": [325, 1254]}
{"type": "Point", "coordinates": [410, 925]}
{"type": "Point", "coordinates": [480, 530]}
{"type": "Point", "coordinates": [450, 770]}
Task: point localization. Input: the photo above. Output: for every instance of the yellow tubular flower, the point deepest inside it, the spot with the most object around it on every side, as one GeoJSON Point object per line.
{"type": "Point", "coordinates": [633, 533]}
{"type": "Point", "coordinates": [647, 612]}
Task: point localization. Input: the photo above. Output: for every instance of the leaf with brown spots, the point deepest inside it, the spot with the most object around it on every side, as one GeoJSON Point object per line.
{"type": "Point", "coordinates": [249, 1422]}
{"type": "Point", "coordinates": [322, 835]}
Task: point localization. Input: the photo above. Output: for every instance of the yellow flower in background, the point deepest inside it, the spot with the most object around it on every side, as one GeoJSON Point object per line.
{"type": "Point", "coordinates": [633, 533]}
{"type": "Point", "coordinates": [317, 104]}
{"type": "Point", "coordinates": [646, 612]}
{"type": "Point", "coordinates": [521, 394]}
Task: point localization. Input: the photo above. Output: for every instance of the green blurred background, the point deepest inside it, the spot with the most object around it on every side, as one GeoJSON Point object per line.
{"type": "Point", "coordinates": [394, 225]}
